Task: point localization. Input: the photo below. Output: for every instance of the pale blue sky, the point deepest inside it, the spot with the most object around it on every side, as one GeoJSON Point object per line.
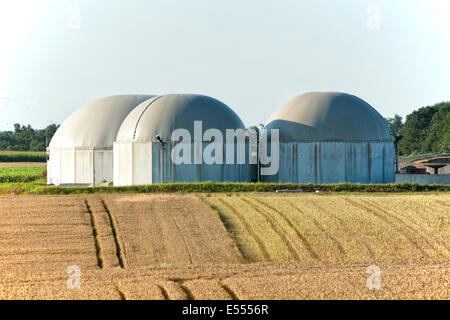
{"type": "Point", "coordinates": [252, 55]}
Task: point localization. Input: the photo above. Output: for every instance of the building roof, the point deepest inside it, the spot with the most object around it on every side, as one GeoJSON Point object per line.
{"type": "Point", "coordinates": [328, 116]}
{"type": "Point", "coordinates": [162, 114]}
{"type": "Point", "coordinates": [95, 125]}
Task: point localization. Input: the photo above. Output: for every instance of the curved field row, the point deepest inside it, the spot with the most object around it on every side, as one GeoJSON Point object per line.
{"type": "Point", "coordinates": [173, 246]}
{"type": "Point", "coordinates": [337, 228]}
{"type": "Point", "coordinates": [169, 229]}
{"type": "Point", "coordinates": [292, 280]}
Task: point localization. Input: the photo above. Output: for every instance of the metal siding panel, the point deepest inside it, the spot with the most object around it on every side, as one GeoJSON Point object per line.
{"type": "Point", "coordinates": [389, 175]}
{"type": "Point", "coordinates": [84, 167]}
{"type": "Point", "coordinates": [67, 167]}
{"type": "Point", "coordinates": [357, 164]}
{"type": "Point", "coordinates": [142, 170]}
{"type": "Point", "coordinates": [124, 164]}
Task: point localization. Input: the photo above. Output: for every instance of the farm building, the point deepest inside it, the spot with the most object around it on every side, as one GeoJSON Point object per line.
{"type": "Point", "coordinates": [144, 144]}
{"type": "Point", "coordinates": [331, 138]}
{"type": "Point", "coordinates": [80, 152]}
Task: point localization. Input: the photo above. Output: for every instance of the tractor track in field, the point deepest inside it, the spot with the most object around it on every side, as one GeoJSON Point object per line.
{"type": "Point", "coordinates": [228, 290]}
{"type": "Point", "coordinates": [95, 235]}
{"type": "Point", "coordinates": [305, 242]}
{"type": "Point", "coordinates": [188, 250]}
{"type": "Point", "coordinates": [114, 229]}
{"type": "Point", "coordinates": [426, 232]}
{"type": "Point", "coordinates": [253, 234]}
{"type": "Point", "coordinates": [383, 218]}
{"type": "Point", "coordinates": [164, 292]}
{"type": "Point", "coordinates": [120, 293]}
{"type": "Point", "coordinates": [320, 227]}
{"type": "Point", "coordinates": [358, 239]}
{"type": "Point", "coordinates": [136, 246]}
{"type": "Point", "coordinates": [277, 228]}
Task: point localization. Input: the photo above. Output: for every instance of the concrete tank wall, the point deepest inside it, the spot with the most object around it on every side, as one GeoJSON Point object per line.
{"type": "Point", "coordinates": [76, 166]}
{"type": "Point", "coordinates": [423, 178]}
{"type": "Point", "coordinates": [147, 163]}
{"type": "Point", "coordinates": [334, 162]}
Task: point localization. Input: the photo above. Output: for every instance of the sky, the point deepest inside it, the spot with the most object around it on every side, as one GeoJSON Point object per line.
{"type": "Point", "coordinates": [253, 55]}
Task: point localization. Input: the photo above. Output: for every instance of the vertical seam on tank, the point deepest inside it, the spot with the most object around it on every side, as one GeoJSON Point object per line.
{"type": "Point", "coordinates": [137, 122]}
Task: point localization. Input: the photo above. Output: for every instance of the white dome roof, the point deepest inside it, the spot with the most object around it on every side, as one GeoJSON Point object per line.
{"type": "Point", "coordinates": [161, 115]}
{"type": "Point", "coordinates": [328, 116]}
{"type": "Point", "coordinates": [95, 124]}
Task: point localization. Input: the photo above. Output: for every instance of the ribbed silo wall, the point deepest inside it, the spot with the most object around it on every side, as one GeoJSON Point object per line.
{"type": "Point", "coordinates": [335, 162]}
{"type": "Point", "coordinates": [164, 170]}
{"type": "Point", "coordinates": [147, 163]}
{"type": "Point", "coordinates": [70, 166]}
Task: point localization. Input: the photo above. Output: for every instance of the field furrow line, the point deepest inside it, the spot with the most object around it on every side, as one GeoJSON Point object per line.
{"type": "Point", "coordinates": [346, 228]}
{"type": "Point", "coordinates": [95, 235]}
{"type": "Point", "coordinates": [320, 227]}
{"type": "Point", "coordinates": [228, 289]}
{"type": "Point", "coordinates": [277, 228]}
{"type": "Point", "coordinates": [258, 240]}
{"type": "Point", "coordinates": [184, 239]}
{"type": "Point", "coordinates": [120, 293]}
{"type": "Point", "coordinates": [119, 251]}
{"type": "Point", "coordinates": [297, 232]}
{"type": "Point", "coordinates": [388, 222]}
{"type": "Point", "coordinates": [426, 232]}
{"type": "Point", "coordinates": [164, 292]}
{"type": "Point", "coordinates": [184, 288]}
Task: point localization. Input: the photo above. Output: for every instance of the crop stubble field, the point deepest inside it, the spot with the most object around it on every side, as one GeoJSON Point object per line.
{"type": "Point", "coordinates": [244, 246]}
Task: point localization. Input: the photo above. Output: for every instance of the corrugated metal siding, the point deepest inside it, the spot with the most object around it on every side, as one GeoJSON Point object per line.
{"type": "Point", "coordinates": [334, 162]}
{"type": "Point", "coordinates": [152, 163]}
{"type": "Point", "coordinates": [103, 166]}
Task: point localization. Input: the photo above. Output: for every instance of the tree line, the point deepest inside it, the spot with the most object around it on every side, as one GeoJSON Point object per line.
{"type": "Point", "coordinates": [25, 138]}
{"type": "Point", "coordinates": [426, 130]}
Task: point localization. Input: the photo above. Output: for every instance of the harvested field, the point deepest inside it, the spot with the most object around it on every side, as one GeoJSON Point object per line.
{"type": "Point", "coordinates": [337, 228]}
{"type": "Point", "coordinates": [170, 229]}
{"type": "Point", "coordinates": [294, 280]}
{"type": "Point", "coordinates": [48, 232]}
{"type": "Point", "coordinates": [45, 233]}
{"type": "Point", "coordinates": [146, 246]}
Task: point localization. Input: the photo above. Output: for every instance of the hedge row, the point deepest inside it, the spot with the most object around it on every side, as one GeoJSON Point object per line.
{"type": "Point", "coordinates": [23, 157]}
{"type": "Point", "coordinates": [224, 187]}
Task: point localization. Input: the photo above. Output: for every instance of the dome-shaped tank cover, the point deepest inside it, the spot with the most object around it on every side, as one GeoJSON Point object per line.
{"type": "Point", "coordinates": [159, 116]}
{"type": "Point", "coordinates": [328, 116]}
{"type": "Point", "coordinates": [95, 125]}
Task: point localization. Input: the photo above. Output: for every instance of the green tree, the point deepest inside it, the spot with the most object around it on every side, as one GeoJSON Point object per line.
{"type": "Point", "coordinates": [427, 130]}
{"type": "Point", "coordinates": [25, 138]}
{"type": "Point", "coordinates": [395, 125]}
